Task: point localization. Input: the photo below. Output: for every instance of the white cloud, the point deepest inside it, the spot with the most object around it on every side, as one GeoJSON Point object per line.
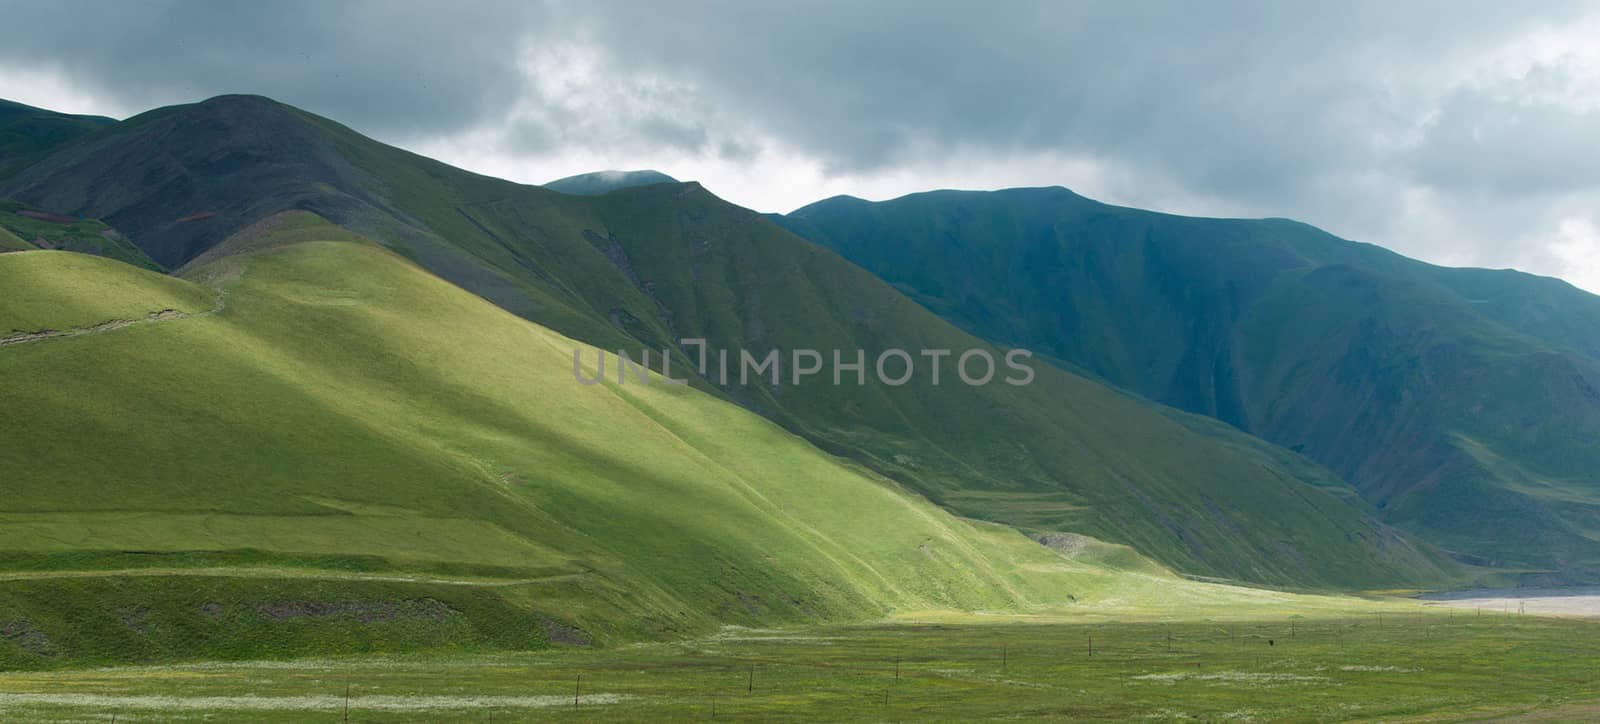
{"type": "Point", "coordinates": [45, 87]}
{"type": "Point", "coordinates": [1577, 249]}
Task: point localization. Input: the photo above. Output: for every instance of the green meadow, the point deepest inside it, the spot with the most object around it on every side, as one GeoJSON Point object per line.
{"type": "Point", "coordinates": [331, 449]}
{"type": "Point", "coordinates": [1410, 664]}
{"type": "Point", "coordinates": [311, 480]}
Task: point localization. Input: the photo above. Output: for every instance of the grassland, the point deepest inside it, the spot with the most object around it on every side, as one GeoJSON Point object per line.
{"type": "Point", "coordinates": [61, 291]}
{"type": "Point", "coordinates": [12, 242]}
{"type": "Point", "coordinates": [1401, 377]}
{"type": "Point", "coordinates": [351, 454]}
{"type": "Point", "coordinates": [648, 265]}
{"type": "Point", "coordinates": [1393, 665]}
{"type": "Point", "coordinates": [49, 231]}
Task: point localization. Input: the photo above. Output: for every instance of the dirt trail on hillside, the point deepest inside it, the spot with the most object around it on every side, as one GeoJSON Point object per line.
{"type": "Point", "coordinates": [281, 573]}
{"type": "Point", "coordinates": [111, 325]}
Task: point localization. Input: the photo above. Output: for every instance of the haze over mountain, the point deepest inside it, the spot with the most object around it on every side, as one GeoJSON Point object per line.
{"type": "Point", "coordinates": [1462, 403]}
{"type": "Point", "coordinates": [649, 265]}
{"type": "Point", "coordinates": [600, 182]}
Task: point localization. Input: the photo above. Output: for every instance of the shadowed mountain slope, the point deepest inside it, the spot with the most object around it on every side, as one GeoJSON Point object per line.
{"type": "Point", "coordinates": [226, 444]}
{"type": "Point", "coordinates": [28, 133]}
{"type": "Point", "coordinates": [649, 265]}
{"type": "Point", "coordinates": [1462, 403]}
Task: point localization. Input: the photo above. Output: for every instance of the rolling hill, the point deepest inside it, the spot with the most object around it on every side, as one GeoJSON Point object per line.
{"type": "Point", "coordinates": [649, 265]}
{"type": "Point", "coordinates": [12, 242]}
{"type": "Point", "coordinates": [1461, 403]}
{"type": "Point", "coordinates": [323, 448]}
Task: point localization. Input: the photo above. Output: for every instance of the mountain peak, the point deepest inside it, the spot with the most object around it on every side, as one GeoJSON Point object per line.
{"type": "Point", "coordinates": [182, 178]}
{"type": "Point", "coordinates": [603, 182]}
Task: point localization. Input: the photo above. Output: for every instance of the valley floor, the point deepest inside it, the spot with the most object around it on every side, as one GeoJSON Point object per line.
{"type": "Point", "coordinates": [1581, 601]}
{"type": "Point", "coordinates": [1428, 664]}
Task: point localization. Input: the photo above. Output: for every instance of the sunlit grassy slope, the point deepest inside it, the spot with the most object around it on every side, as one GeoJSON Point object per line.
{"type": "Point", "coordinates": [11, 242]}
{"type": "Point", "coordinates": [649, 265]}
{"type": "Point", "coordinates": [349, 419]}
{"type": "Point", "coordinates": [60, 290]}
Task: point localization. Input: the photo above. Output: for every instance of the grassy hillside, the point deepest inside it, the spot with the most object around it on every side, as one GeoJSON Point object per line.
{"type": "Point", "coordinates": [28, 134]}
{"type": "Point", "coordinates": [648, 265]}
{"type": "Point", "coordinates": [352, 454]}
{"type": "Point", "coordinates": [11, 242]}
{"type": "Point", "coordinates": [44, 230]}
{"type": "Point", "coordinates": [62, 291]}
{"type": "Point", "coordinates": [1461, 402]}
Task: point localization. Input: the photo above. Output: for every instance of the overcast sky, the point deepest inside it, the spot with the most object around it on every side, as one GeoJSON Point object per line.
{"type": "Point", "coordinates": [1461, 133]}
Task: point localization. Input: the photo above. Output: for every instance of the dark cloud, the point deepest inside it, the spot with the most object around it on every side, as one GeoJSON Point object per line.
{"type": "Point", "coordinates": [387, 67]}
{"type": "Point", "coordinates": [1238, 98]}
{"type": "Point", "coordinates": [1452, 130]}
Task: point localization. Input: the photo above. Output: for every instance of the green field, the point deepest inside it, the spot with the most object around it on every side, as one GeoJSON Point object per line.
{"type": "Point", "coordinates": [1408, 664]}
{"type": "Point", "coordinates": [340, 432]}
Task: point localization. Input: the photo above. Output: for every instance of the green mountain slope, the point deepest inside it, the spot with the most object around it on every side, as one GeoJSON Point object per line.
{"type": "Point", "coordinates": [1461, 402]}
{"type": "Point", "coordinates": [351, 453]}
{"type": "Point", "coordinates": [57, 290]}
{"type": "Point", "coordinates": [649, 265]}
{"type": "Point", "coordinates": [44, 230]}
{"type": "Point", "coordinates": [28, 133]}
{"type": "Point", "coordinates": [603, 182]}
{"type": "Point", "coordinates": [12, 242]}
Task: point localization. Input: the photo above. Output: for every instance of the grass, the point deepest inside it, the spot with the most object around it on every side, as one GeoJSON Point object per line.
{"type": "Point", "coordinates": [1374, 365]}
{"type": "Point", "coordinates": [12, 242]}
{"type": "Point", "coordinates": [61, 291]}
{"type": "Point", "coordinates": [648, 265]}
{"type": "Point", "coordinates": [1415, 664]}
{"type": "Point", "coordinates": [352, 422]}
{"type": "Point", "coordinates": [86, 236]}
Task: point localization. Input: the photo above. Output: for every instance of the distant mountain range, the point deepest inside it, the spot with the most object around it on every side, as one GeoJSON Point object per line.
{"type": "Point", "coordinates": [1252, 400]}
{"type": "Point", "coordinates": [647, 265]}
{"type": "Point", "coordinates": [1463, 404]}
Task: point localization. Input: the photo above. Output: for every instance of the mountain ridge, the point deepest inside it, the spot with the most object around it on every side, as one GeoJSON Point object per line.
{"type": "Point", "coordinates": [650, 265]}
{"type": "Point", "coordinates": [1347, 351]}
{"type": "Point", "coordinates": [601, 182]}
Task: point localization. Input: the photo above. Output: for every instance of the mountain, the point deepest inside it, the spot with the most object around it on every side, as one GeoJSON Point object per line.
{"type": "Point", "coordinates": [1461, 403]}
{"type": "Point", "coordinates": [647, 266]}
{"type": "Point", "coordinates": [28, 133]}
{"type": "Point", "coordinates": [209, 430]}
{"type": "Point", "coordinates": [604, 182]}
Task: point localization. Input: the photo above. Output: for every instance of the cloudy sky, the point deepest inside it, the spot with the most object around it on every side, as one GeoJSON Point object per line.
{"type": "Point", "coordinates": [1463, 133]}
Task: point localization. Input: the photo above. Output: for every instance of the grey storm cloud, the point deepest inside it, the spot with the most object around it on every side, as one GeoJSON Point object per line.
{"type": "Point", "coordinates": [1373, 119]}
{"type": "Point", "coordinates": [386, 66]}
